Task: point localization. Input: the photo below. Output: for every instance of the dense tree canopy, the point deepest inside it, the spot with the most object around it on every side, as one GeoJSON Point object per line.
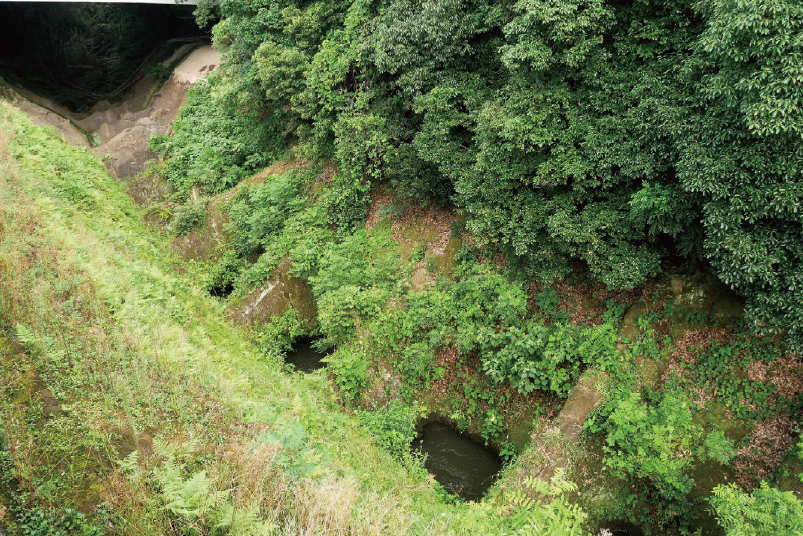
{"type": "Point", "coordinates": [600, 132]}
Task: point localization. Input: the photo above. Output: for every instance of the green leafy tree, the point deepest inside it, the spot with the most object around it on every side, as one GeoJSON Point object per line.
{"type": "Point", "coordinates": [654, 441]}
{"type": "Point", "coordinates": [281, 71]}
{"type": "Point", "coordinates": [571, 133]}
{"type": "Point", "coordinates": [764, 512]}
{"type": "Point", "coordinates": [214, 143]}
{"type": "Point", "coordinates": [741, 150]}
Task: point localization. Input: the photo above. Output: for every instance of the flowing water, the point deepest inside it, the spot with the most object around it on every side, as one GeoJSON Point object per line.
{"type": "Point", "coordinates": [304, 357]}
{"type": "Point", "coordinates": [461, 465]}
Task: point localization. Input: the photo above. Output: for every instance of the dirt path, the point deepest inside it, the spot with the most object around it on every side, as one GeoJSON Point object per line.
{"type": "Point", "coordinates": [120, 131]}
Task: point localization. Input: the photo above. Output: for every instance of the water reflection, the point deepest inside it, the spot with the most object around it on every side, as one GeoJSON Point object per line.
{"type": "Point", "coordinates": [304, 357]}
{"type": "Point", "coordinates": [459, 464]}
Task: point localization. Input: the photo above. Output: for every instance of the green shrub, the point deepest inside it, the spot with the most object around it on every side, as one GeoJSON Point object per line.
{"type": "Point", "coordinates": [658, 442]}
{"type": "Point", "coordinates": [215, 142]}
{"type": "Point", "coordinates": [417, 364]}
{"type": "Point", "coordinates": [524, 516]}
{"type": "Point", "coordinates": [411, 177]}
{"type": "Point", "coordinates": [258, 213]}
{"type": "Point", "coordinates": [354, 281]}
{"type": "Point", "coordinates": [341, 310]}
{"type": "Point", "coordinates": [49, 522]}
{"type": "Point", "coordinates": [717, 367]}
{"type": "Point", "coordinates": [360, 147]}
{"type": "Point", "coordinates": [494, 429]}
{"type": "Point", "coordinates": [482, 297]}
{"type": "Point", "coordinates": [393, 426]}
{"type": "Point", "coordinates": [719, 448]}
{"type": "Point", "coordinates": [547, 357]}
{"type": "Point", "coordinates": [569, 132]}
{"type": "Point", "coordinates": [536, 357]}
{"type": "Point", "coordinates": [345, 206]}
{"type": "Point", "coordinates": [547, 302]}
{"type": "Point", "coordinates": [276, 336]}
{"type": "Point", "coordinates": [280, 70]}
{"type": "Point", "coordinates": [350, 368]}
{"type": "Point", "coordinates": [764, 512]}
{"type": "Point", "coordinates": [187, 216]}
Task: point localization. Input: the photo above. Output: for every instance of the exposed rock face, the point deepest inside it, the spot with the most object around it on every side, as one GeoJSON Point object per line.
{"type": "Point", "coordinates": [551, 443]}
{"type": "Point", "coordinates": [148, 189]}
{"type": "Point", "coordinates": [121, 131]}
{"type": "Point", "coordinates": [551, 453]}
{"type": "Point", "coordinates": [204, 241]}
{"type": "Point", "coordinates": [700, 291]}
{"type": "Point", "coordinates": [128, 152]}
{"type": "Point", "coordinates": [46, 113]}
{"type": "Point", "coordinates": [582, 400]}
{"type": "Point", "coordinates": [387, 387]}
{"type": "Point", "coordinates": [299, 293]}
{"type": "Point", "coordinates": [52, 405]}
{"type": "Point", "coordinates": [126, 441]}
{"type": "Point", "coordinates": [280, 293]}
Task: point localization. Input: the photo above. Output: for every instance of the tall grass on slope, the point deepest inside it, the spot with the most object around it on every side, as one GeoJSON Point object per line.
{"type": "Point", "coordinates": [160, 417]}
{"type": "Point", "coordinates": [224, 442]}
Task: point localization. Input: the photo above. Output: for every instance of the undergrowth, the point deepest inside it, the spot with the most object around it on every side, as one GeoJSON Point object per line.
{"type": "Point", "coordinates": [212, 435]}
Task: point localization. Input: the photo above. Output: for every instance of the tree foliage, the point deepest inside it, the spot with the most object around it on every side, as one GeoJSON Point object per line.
{"type": "Point", "coordinates": [596, 133]}
{"type": "Point", "coordinates": [764, 512]}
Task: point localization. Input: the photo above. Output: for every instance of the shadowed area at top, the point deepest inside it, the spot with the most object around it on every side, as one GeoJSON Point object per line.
{"type": "Point", "coordinates": [79, 54]}
{"type": "Point", "coordinates": [166, 2]}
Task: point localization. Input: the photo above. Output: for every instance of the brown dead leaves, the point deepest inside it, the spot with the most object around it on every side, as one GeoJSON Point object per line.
{"type": "Point", "coordinates": [769, 443]}
{"type": "Point", "coordinates": [434, 223]}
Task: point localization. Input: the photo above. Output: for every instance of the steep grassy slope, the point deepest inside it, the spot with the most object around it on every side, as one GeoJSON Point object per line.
{"type": "Point", "coordinates": [130, 361]}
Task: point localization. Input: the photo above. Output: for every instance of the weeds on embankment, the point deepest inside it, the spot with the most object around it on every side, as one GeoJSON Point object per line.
{"type": "Point", "coordinates": [164, 419]}
{"type": "Point", "coordinates": [132, 351]}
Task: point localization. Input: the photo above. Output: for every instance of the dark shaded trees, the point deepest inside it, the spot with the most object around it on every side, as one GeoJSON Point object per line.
{"type": "Point", "coordinates": [81, 53]}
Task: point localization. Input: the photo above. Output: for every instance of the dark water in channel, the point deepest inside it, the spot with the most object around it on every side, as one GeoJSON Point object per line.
{"type": "Point", "coordinates": [304, 357]}
{"type": "Point", "coordinates": [459, 464]}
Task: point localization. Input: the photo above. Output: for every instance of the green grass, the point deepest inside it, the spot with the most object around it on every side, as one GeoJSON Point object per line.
{"type": "Point", "coordinates": [135, 353]}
